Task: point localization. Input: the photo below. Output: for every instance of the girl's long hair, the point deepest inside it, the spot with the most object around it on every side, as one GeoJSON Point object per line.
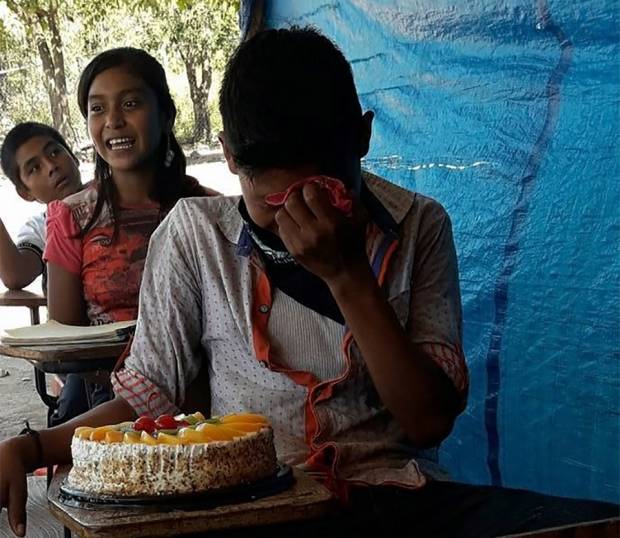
{"type": "Point", "coordinates": [170, 182]}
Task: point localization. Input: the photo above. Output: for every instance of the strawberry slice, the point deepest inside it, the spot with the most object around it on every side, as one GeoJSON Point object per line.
{"type": "Point", "coordinates": [146, 424]}
{"type": "Point", "coordinates": [165, 422]}
{"type": "Point", "coordinates": [337, 192]}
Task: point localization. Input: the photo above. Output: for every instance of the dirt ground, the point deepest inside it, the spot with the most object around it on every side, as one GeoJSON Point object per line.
{"type": "Point", "coordinates": [19, 400]}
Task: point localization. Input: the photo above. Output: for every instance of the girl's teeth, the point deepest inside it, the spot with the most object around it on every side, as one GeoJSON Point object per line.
{"type": "Point", "coordinates": [121, 143]}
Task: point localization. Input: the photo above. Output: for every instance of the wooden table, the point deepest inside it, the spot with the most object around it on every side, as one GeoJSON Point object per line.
{"type": "Point", "coordinates": [83, 359]}
{"type": "Point", "coordinates": [306, 499]}
{"type": "Point", "coordinates": [40, 523]}
{"type": "Point", "coordinates": [32, 301]}
{"type": "Point", "coordinates": [606, 528]}
{"type": "Point", "coordinates": [55, 358]}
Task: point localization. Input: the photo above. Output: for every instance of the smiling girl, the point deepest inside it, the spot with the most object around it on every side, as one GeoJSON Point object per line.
{"type": "Point", "coordinates": [98, 238]}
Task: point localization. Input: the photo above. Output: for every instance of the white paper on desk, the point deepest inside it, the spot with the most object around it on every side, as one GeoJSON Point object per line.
{"type": "Point", "coordinates": [53, 332]}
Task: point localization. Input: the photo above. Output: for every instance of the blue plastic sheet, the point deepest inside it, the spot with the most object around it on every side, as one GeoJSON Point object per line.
{"type": "Point", "coordinates": [508, 113]}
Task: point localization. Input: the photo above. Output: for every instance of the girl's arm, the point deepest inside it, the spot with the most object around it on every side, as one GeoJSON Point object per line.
{"type": "Point", "coordinates": [412, 386]}
{"type": "Point", "coordinates": [18, 455]}
{"type": "Point", "coordinates": [63, 254]}
{"type": "Point", "coordinates": [65, 296]}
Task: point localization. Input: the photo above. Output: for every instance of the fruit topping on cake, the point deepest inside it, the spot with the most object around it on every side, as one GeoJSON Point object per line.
{"type": "Point", "coordinates": [179, 430]}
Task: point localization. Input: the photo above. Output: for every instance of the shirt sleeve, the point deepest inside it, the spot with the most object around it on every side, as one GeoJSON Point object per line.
{"type": "Point", "coordinates": [63, 246]}
{"type": "Point", "coordinates": [435, 320]}
{"type": "Point", "coordinates": [31, 235]}
{"type": "Point", "coordinates": [166, 353]}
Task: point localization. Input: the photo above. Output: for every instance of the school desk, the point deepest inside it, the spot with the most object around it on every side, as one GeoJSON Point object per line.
{"type": "Point", "coordinates": [305, 499]}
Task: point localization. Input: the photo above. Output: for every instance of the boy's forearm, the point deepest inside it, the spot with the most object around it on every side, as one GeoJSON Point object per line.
{"type": "Point", "coordinates": [17, 268]}
{"type": "Point", "coordinates": [410, 384]}
{"type": "Point", "coordinates": [56, 441]}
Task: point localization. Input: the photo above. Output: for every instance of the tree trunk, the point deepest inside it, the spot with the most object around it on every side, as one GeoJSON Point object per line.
{"type": "Point", "coordinates": [199, 94]}
{"type": "Point", "coordinates": [205, 86]}
{"type": "Point", "coordinates": [39, 24]}
{"type": "Point", "coordinates": [49, 80]}
{"type": "Point", "coordinates": [58, 90]}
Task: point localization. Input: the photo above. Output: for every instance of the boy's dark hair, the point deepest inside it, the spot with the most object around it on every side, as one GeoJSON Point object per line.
{"type": "Point", "coordinates": [170, 182]}
{"type": "Point", "coordinates": [18, 136]}
{"type": "Point", "coordinates": [288, 99]}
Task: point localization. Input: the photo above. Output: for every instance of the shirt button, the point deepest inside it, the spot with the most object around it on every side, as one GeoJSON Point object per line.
{"type": "Point", "coordinates": [263, 309]}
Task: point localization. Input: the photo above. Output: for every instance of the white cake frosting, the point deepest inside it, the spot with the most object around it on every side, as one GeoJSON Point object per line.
{"type": "Point", "coordinates": [125, 469]}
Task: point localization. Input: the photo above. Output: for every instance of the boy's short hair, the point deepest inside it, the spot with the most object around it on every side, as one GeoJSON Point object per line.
{"type": "Point", "coordinates": [287, 99]}
{"type": "Point", "coordinates": [19, 135]}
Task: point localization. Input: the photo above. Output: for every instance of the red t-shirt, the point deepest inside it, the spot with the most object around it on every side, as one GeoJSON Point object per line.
{"type": "Point", "coordinates": [111, 271]}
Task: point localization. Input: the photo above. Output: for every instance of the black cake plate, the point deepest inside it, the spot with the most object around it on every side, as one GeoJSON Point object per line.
{"type": "Point", "coordinates": [280, 481]}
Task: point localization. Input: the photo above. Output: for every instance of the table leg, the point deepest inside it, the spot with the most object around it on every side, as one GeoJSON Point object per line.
{"type": "Point", "coordinates": [89, 398]}
{"type": "Point", "coordinates": [34, 315]}
{"type": "Point", "coordinates": [50, 402]}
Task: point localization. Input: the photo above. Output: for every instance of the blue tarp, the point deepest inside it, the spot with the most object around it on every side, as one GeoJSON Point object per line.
{"type": "Point", "coordinates": [507, 112]}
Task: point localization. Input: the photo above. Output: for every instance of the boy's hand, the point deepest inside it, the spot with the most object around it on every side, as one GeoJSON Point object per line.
{"type": "Point", "coordinates": [13, 488]}
{"type": "Point", "coordinates": [319, 236]}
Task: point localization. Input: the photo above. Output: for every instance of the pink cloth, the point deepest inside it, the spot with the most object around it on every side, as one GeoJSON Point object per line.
{"type": "Point", "coordinates": [64, 245]}
{"type": "Point", "coordinates": [338, 195]}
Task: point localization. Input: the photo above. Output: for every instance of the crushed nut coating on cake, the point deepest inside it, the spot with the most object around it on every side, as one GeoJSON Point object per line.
{"type": "Point", "coordinates": [124, 469]}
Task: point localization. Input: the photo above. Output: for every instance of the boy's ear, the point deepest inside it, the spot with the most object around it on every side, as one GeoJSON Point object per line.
{"type": "Point", "coordinates": [25, 194]}
{"type": "Point", "coordinates": [232, 165]}
{"type": "Point", "coordinates": [365, 132]}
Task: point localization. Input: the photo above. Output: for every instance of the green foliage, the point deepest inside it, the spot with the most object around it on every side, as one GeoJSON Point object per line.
{"type": "Point", "coordinates": [21, 94]}
{"type": "Point", "coordinates": [184, 124]}
{"type": "Point", "coordinates": [200, 34]}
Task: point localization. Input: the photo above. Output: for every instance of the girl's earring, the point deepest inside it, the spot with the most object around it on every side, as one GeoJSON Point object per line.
{"type": "Point", "coordinates": [169, 155]}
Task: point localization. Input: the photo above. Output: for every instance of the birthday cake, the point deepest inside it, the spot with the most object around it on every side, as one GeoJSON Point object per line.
{"type": "Point", "coordinates": [172, 455]}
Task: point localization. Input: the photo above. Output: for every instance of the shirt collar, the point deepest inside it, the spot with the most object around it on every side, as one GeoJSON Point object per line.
{"type": "Point", "coordinates": [387, 204]}
{"type": "Point", "coordinates": [229, 220]}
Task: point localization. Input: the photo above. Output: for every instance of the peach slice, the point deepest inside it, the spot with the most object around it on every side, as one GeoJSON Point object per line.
{"type": "Point", "coordinates": [190, 435]}
{"type": "Point", "coordinates": [167, 439]}
{"type": "Point", "coordinates": [114, 436]}
{"type": "Point", "coordinates": [83, 432]}
{"type": "Point", "coordinates": [246, 427]}
{"type": "Point", "coordinates": [132, 438]}
{"type": "Point", "coordinates": [217, 432]}
{"type": "Point", "coordinates": [147, 439]}
{"type": "Point", "coordinates": [244, 417]}
{"type": "Point", "coordinates": [98, 434]}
